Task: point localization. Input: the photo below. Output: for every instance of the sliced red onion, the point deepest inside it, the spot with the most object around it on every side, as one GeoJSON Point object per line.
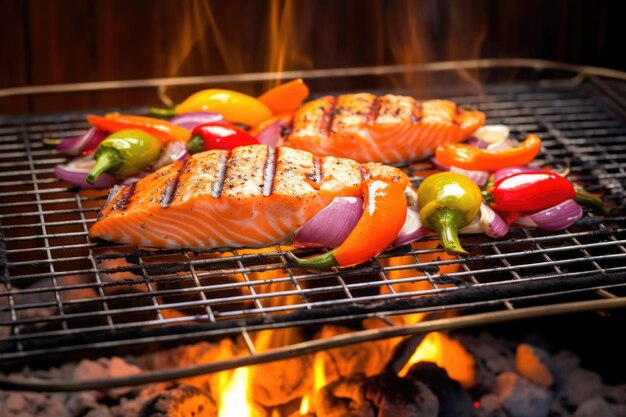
{"type": "Point", "coordinates": [174, 150]}
{"type": "Point", "coordinates": [75, 172]}
{"type": "Point", "coordinates": [500, 146]}
{"type": "Point", "coordinates": [487, 222]}
{"type": "Point", "coordinates": [79, 144]}
{"type": "Point", "coordinates": [559, 217]}
{"type": "Point", "coordinates": [492, 133]}
{"type": "Point", "coordinates": [526, 222]}
{"type": "Point", "coordinates": [332, 225]}
{"type": "Point", "coordinates": [273, 134]}
{"type": "Point", "coordinates": [412, 229]}
{"type": "Point", "coordinates": [191, 120]}
{"type": "Point", "coordinates": [477, 143]}
{"type": "Point", "coordinates": [479, 177]}
{"type": "Point", "coordinates": [507, 172]}
{"type": "Point", "coordinates": [437, 165]}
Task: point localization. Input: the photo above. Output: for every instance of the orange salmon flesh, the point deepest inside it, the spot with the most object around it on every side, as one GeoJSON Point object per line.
{"type": "Point", "coordinates": [252, 196]}
{"type": "Point", "coordinates": [391, 129]}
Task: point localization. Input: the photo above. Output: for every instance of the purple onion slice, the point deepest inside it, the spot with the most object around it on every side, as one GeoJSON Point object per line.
{"type": "Point", "coordinates": [174, 150]}
{"type": "Point", "coordinates": [76, 171]}
{"type": "Point", "coordinates": [479, 177]}
{"type": "Point", "coordinates": [488, 222]}
{"type": "Point", "coordinates": [191, 120]}
{"type": "Point", "coordinates": [412, 229]}
{"type": "Point", "coordinates": [79, 144]}
{"type": "Point", "coordinates": [273, 134]}
{"type": "Point", "coordinates": [332, 225]}
{"type": "Point", "coordinates": [558, 217]}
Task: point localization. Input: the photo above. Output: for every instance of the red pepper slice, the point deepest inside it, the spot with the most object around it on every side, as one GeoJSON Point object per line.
{"type": "Point", "coordinates": [530, 191]}
{"type": "Point", "coordinates": [219, 135]}
{"type": "Point", "coordinates": [160, 129]}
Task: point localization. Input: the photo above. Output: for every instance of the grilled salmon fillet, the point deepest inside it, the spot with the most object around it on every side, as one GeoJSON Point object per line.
{"type": "Point", "coordinates": [390, 129]}
{"type": "Point", "coordinates": [252, 196]}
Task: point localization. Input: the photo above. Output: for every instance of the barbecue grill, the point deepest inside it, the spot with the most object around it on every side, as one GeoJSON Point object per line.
{"type": "Point", "coordinates": [63, 294]}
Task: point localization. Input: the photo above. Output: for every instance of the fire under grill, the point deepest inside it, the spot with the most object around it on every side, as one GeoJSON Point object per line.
{"type": "Point", "coordinates": [61, 292]}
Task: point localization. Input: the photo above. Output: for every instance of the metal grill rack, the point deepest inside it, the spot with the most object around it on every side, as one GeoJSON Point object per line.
{"type": "Point", "coordinates": [61, 292]}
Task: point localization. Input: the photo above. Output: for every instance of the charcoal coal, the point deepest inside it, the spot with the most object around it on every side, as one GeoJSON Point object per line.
{"type": "Point", "coordinates": [493, 356]}
{"type": "Point", "coordinates": [100, 411]}
{"type": "Point", "coordinates": [534, 364]}
{"type": "Point", "coordinates": [521, 397]}
{"type": "Point", "coordinates": [580, 385]}
{"type": "Point", "coordinates": [182, 401]}
{"type": "Point", "coordinates": [594, 407]}
{"type": "Point", "coordinates": [106, 368]}
{"type": "Point", "coordinates": [31, 404]}
{"type": "Point", "coordinates": [454, 401]}
{"type": "Point", "coordinates": [384, 395]}
{"type": "Point", "coordinates": [617, 393]}
{"type": "Point", "coordinates": [566, 361]}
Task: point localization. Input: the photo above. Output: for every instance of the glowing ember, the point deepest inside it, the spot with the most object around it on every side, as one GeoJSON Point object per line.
{"type": "Point", "coordinates": [448, 354]}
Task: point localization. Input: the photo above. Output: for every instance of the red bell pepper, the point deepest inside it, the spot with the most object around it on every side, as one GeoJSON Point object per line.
{"type": "Point", "coordinates": [529, 191]}
{"type": "Point", "coordinates": [218, 135]}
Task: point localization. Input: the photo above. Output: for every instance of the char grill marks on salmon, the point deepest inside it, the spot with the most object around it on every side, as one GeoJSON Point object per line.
{"type": "Point", "coordinates": [252, 196]}
{"type": "Point", "coordinates": [389, 129]}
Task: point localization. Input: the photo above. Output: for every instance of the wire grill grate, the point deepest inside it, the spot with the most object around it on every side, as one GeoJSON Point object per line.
{"type": "Point", "coordinates": [62, 292]}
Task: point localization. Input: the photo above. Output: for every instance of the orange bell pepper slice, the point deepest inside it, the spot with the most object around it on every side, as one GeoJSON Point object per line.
{"type": "Point", "coordinates": [283, 118]}
{"type": "Point", "coordinates": [160, 129]}
{"type": "Point", "coordinates": [285, 98]}
{"type": "Point", "coordinates": [383, 216]}
{"type": "Point", "coordinates": [473, 158]}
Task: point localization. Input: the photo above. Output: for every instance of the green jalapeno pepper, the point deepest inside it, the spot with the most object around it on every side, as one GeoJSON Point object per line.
{"type": "Point", "coordinates": [125, 153]}
{"type": "Point", "coordinates": [448, 201]}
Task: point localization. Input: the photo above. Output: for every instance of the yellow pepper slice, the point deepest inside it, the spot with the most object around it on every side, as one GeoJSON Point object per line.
{"type": "Point", "coordinates": [236, 107]}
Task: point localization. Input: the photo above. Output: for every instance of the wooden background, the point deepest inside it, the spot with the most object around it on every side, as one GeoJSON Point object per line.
{"type": "Point", "coordinates": [69, 41]}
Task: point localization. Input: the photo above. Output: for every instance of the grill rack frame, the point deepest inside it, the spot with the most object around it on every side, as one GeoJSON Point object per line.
{"type": "Point", "coordinates": [600, 281]}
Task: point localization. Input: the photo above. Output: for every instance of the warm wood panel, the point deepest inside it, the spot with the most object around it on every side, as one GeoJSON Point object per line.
{"type": "Point", "coordinates": [67, 41]}
{"type": "Point", "coordinates": [14, 57]}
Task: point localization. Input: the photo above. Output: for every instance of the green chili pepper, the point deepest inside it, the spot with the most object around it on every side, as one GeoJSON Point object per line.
{"type": "Point", "coordinates": [448, 201]}
{"type": "Point", "coordinates": [125, 153]}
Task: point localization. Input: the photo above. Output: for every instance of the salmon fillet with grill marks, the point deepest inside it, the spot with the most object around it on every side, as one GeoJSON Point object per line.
{"type": "Point", "coordinates": [252, 196]}
{"type": "Point", "coordinates": [388, 129]}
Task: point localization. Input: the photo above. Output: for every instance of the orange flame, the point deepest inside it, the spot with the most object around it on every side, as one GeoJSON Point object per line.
{"type": "Point", "coordinates": [319, 382]}
{"type": "Point", "coordinates": [235, 398]}
{"type": "Point", "coordinates": [287, 33]}
{"type": "Point", "coordinates": [448, 354]}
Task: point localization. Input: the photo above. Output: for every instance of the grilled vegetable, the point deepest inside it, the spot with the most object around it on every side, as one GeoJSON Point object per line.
{"type": "Point", "coordinates": [76, 171]}
{"type": "Point", "coordinates": [162, 130]}
{"type": "Point", "coordinates": [191, 120]}
{"type": "Point", "coordinates": [529, 191]}
{"type": "Point", "coordinates": [448, 201]}
{"type": "Point", "coordinates": [234, 106]}
{"type": "Point", "coordinates": [559, 217]}
{"type": "Point", "coordinates": [218, 135]}
{"type": "Point", "coordinates": [80, 144]}
{"type": "Point", "coordinates": [285, 98]}
{"type": "Point", "coordinates": [332, 225]}
{"type": "Point", "coordinates": [124, 153]}
{"type": "Point", "coordinates": [474, 158]}
{"type": "Point", "coordinates": [383, 216]}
